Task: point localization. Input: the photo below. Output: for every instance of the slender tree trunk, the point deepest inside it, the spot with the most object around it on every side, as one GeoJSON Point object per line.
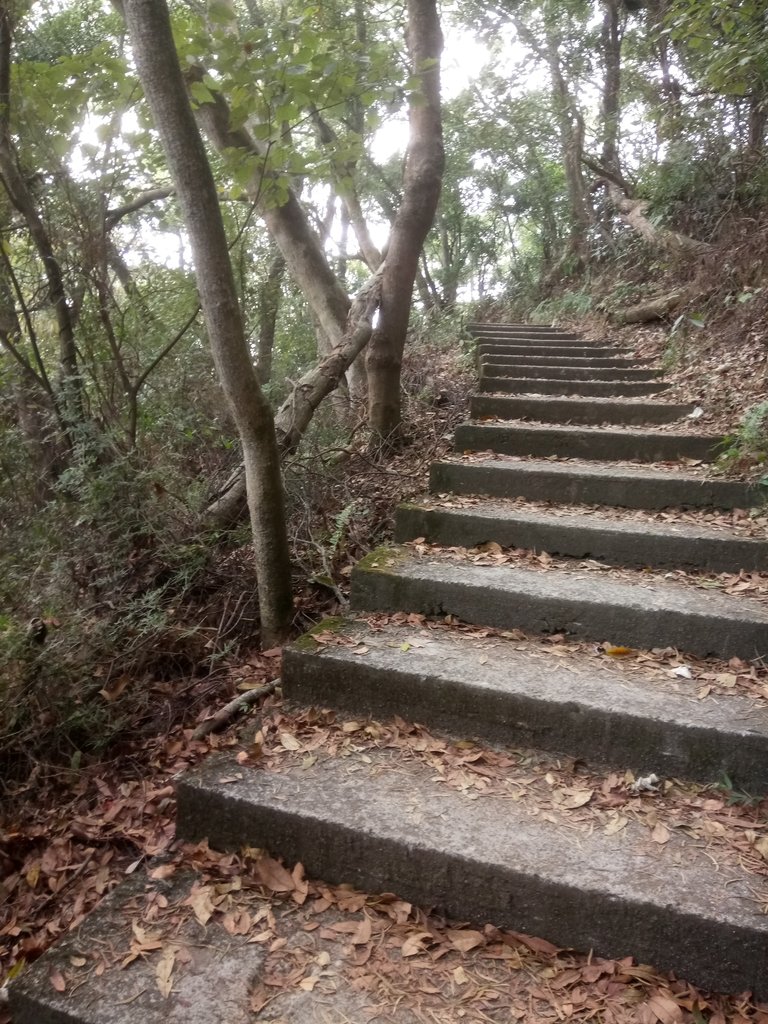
{"type": "Point", "coordinates": [571, 132]}
{"type": "Point", "coordinates": [270, 291]}
{"type": "Point", "coordinates": [421, 192]}
{"type": "Point", "coordinates": [610, 101]}
{"type": "Point", "coordinates": [158, 67]}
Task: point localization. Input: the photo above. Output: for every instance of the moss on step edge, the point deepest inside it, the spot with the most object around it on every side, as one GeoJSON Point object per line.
{"type": "Point", "coordinates": [381, 559]}
{"type": "Point", "coordinates": [333, 624]}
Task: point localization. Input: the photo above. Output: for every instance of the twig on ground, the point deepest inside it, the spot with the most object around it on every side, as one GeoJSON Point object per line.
{"type": "Point", "coordinates": [223, 717]}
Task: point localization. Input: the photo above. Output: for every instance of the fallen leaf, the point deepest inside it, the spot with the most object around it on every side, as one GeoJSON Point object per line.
{"type": "Point", "coordinates": [289, 742]}
{"type": "Point", "coordinates": [570, 799]}
{"type": "Point", "coordinates": [363, 934]}
{"type": "Point", "coordinates": [615, 825]}
{"type": "Point", "coordinates": [762, 847]}
{"type": "Point", "coordinates": [164, 971]}
{"type": "Point", "coordinates": [162, 871]}
{"type": "Point", "coordinates": [57, 980]}
{"type": "Point", "coordinates": [200, 901]}
{"type": "Point", "coordinates": [464, 939]}
{"type": "Point", "coordinates": [661, 834]}
{"type": "Point", "coordinates": [666, 1010]}
{"type": "Point", "coordinates": [617, 651]}
{"type": "Point", "coordinates": [414, 944]}
{"type": "Point", "coordinates": [460, 976]}
{"type": "Point", "coordinates": [274, 876]}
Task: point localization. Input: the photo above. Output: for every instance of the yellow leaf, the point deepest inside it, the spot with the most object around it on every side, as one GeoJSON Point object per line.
{"type": "Point", "coordinates": [762, 847]}
{"type": "Point", "coordinates": [617, 652]}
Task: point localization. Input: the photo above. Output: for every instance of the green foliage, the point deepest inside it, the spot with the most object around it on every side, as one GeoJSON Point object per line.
{"type": "Point", "coordinates": [570, 303]}
{"type": "Point", "coordinates": [726, 43]}
{"type": "Point", "coordinates": [747, 448]}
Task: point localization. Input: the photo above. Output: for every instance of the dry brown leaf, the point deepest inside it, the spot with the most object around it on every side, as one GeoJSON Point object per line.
{"type": "Point", "coordinates": [414, 944]}
{"type": "Point", "coordinates": [661, 834]}
{"type": "Point", "coordinates": [362, 935]}
{"type": "Point", "coordinates": [289, 742]}
{"type": "Point", "coordinates": [274, 876]}
{"type": "Point", "coordinates": [464, 939]}
{"type": "Point", "coordinates": [666, 1010]}
{"type": "Point", "coordinates": [200, 901]}
{"type": "Point", "coordinates": [164, 971]}
{"type": "Point", "coordinates": [570, 799]}
{"type": "Point", "coordinates": [162, 871]}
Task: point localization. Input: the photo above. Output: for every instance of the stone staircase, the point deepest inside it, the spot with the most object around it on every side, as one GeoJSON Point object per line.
{"type": "Point", "coordinates": [572, 428]}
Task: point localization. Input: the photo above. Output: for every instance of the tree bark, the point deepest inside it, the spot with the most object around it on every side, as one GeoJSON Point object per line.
{"type": "Point", "coordinates": [571, 131]}
{"type": "Point", "coordinates": [270, 291]}
{"type": "Point", "coordinates": [652, 309]}
{"type": "Point", "coordinates": [633, 213]}
{"type": "Point", "coordinates": [421, 191]}
{"type": "Point", "coordinates": [610, 101]}
{"type": "Point", "coordinates": [158, 67]}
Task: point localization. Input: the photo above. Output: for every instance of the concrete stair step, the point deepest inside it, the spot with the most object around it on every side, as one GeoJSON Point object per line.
{"type": "Point", "coordinates": [547, 349]}
{"type": "Point", "coordinates": [592, 483]}
{"type": "Point", "coordinates": [217, 976]}
{"type": "Point", "coordinates": [584, 442]}
{"type": "Point", "coordinates": [534, 340]}
{"type": "Point", "coordinates": [576, 410]}
{"type": "Point", "coordinates": [641, 613]}
{"type": "Point", "coordinates": [382, 822]}
{"type": "Point", "coordinates": [524, 332]}
{"type": "Point", "coordinates": [481, 326]}
{"type": "Point", "coordinates": [529, 371]}
{"type": "Point", "coordinates": [533, 359]}
{"type": "Point", "coordinates": [616, 541]}
{"type": "Point", "coordinates": [494, 692]}
{"type": "Point", "coordinates": [592, 388]}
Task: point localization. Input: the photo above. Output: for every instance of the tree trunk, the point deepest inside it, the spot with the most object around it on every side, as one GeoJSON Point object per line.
{"type": "Point", "coordinates": [158, 67]}
{"type": "Point", "coordinates": [651, 309]}
{"type": "Point", "coordinates": [633, 211]}
{"type": "Point", "coordinates": [270, 291]}
{"type": "Point", "coordinates": [610, 101]}
{"type": "Point", "coordinates": [421, 191]}
{"type": "Point", "coordinates": [571, 132]}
